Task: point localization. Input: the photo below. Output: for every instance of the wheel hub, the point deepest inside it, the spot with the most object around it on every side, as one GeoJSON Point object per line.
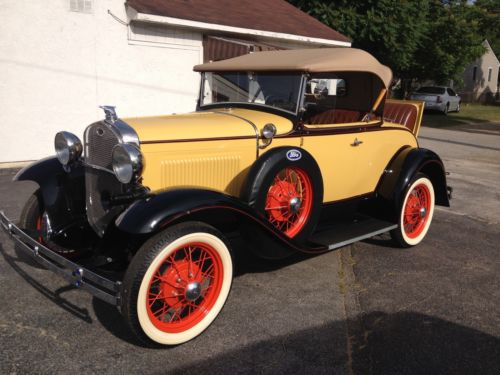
{"type": "Point", "coordinates": [295, 204]}
{"type": "Point", "coordinates": [423, 212]}
{"type": "Point", "coordinates": [193, 291]}
{"type": "Point", "coordinates": [182, 281]}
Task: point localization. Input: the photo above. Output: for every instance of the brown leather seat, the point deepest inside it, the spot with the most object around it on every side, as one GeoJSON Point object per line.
{"type": "Point", "coordinates": [401, 113]}
{"type": "Point", "coordinates": [335, 116]}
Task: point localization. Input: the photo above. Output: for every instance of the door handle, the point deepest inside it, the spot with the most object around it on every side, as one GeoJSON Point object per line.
{"type": "Point", "coordinates": [356, 142]}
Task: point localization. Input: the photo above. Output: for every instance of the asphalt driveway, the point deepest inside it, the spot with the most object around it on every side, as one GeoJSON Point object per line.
{"type": "Point", "coordinates": [369, 308]}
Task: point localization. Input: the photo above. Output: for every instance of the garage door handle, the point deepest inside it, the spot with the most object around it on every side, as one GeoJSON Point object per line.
{"type": "Point", "coordinates": [356, 142]}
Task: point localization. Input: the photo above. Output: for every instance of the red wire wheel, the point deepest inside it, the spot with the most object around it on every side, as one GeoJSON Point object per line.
{"type": "Point", "coordinates": [289, 200]}
{"type": "Point", "coordinates": [39, 228]}
{"type": "Point", "coordinates": [417, 207]}
{"type": "Point", "coordinates": [177, 283]}
{"type": "Point", "coordinates": [416, 212]}
{"type": "Point", "coordinates": [185, 287]}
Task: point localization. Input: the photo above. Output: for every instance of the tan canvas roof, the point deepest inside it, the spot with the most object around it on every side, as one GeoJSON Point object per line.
{"type": "Point", "coordinates": [317, 60]}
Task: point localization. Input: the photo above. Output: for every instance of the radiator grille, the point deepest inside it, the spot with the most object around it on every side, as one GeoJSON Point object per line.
{"type": "Point", "coordinates": [100, 185]}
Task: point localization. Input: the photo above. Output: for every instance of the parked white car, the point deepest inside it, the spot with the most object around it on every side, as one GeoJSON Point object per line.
{"type": "Point", "coordinates": [438, 98]}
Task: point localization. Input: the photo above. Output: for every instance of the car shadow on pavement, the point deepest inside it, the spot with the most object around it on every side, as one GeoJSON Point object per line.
{"type": "Point", "coordinates": [246, 262]}
{"type": "Point", "coordinates": [383, 240]}
{"type": "Point", "coordinates": [113, 322]}
{"type": "Point", "coordinates": [53, 296]}
{"type": "Point", "coordinates": [401, 343]}
{"type": "Point", "coordinates": [414, 343]}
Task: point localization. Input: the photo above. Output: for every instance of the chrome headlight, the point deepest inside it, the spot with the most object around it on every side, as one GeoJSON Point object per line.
{"type": "Point", "coordinates": [127, 162]}
{"type": "Point", "coordinates": [68, 147]}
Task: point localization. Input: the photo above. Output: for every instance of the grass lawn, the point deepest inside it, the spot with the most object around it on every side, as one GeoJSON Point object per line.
{"type": "Point", "coordinates": [469, 114]}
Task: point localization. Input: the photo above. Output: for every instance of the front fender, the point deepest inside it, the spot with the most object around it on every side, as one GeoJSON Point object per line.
{"type": "Point", "coordinates": [151, 214]}
{"type": "Point", "coordinates": [405, 165]}
{"type": "Point", "coordinates": [63, 192]}
{"type": "Point", "coordinates": [156, 212]}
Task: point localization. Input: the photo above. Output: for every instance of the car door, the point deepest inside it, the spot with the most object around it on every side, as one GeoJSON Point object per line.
{"type": "Point", "coordinates": [347, 140]}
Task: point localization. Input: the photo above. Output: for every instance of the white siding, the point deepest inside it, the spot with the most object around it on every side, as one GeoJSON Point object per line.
{"type": "Point", "coordinates": [57, 66]}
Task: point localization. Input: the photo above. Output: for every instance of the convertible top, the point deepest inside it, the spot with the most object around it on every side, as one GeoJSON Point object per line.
{"type": "Point", "coordinates": [317, 60]}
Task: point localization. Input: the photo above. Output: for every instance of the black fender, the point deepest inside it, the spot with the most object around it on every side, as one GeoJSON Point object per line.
{"type": "Point", "coordinates": [258, 171]}
{"type": "Point", "coordinates": [263, 171]}
{"type": "Point", "coordinates": [63, 192]}
{"type": "Point", "coordinates": [150, 215]}
{"type": "Point", "coordinates": [404, 166]}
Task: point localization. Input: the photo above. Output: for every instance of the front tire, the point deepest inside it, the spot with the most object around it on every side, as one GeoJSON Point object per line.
{"type": "Point", "coordinates": [35, 221]}
{"type": "Point", "coordinates": [177, 283]}
{"type": "Point", "coordinates": [416, 212]}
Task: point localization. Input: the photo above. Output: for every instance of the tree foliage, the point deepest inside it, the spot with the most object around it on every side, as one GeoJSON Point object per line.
{"type": "Point", "coordinates": [490, 22]}
{"type": "Point", "coordinates": [418, 39]}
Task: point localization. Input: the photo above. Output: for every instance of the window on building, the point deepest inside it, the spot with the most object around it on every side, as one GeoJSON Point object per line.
{"type": "Point", "coordinates": [490, 71]}
{"type": "Point", "coordinates": [82, 6]}
{"type": "Point", "coordinates": [474, 73]}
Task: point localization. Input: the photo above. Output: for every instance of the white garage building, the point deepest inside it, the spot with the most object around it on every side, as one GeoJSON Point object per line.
{"type": "Point", "coordinates": [60, 60]}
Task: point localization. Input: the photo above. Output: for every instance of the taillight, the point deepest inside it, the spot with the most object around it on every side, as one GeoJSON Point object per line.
{"type": "Point", "coordinates": [438, 100]}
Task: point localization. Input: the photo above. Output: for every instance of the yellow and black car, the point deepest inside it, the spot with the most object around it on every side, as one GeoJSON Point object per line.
{"type": "Point", "coordinates": [295, 150]}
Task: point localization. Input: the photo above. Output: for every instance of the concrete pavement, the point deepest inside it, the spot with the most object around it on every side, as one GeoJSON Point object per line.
{"type": "Point", "coordinates": [370, 308]}
{"type": "Point", "coordinates": [434, 308]}
{"type": "Point", "coordinates": [280, 317]}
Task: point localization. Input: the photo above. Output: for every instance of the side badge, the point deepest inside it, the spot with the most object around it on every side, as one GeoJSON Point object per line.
{"type": "Point", "coordinates": [294, 155]}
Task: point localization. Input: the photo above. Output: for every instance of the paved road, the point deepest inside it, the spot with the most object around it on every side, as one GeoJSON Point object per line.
{"type": "Point", "coordinates": [435, 308]}
{"type": "Point", "coordinates": [370, 308]}
{"type": "Point", "coordinates": [280, 318]}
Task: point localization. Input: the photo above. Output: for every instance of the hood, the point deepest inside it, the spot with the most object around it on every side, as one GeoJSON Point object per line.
{"type": "Point", "coordinates": [219, 123]}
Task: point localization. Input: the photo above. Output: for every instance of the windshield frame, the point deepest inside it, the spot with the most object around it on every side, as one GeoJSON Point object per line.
{"type": "Point", "coordinates": [259, 106]}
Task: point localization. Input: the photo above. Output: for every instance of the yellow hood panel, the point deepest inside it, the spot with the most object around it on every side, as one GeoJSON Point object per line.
{"type": "Point", "coordinates": [219, 123]}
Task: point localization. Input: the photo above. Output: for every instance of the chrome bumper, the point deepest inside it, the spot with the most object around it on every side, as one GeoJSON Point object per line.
{"type": "Point", "coordinates": [100, 287]}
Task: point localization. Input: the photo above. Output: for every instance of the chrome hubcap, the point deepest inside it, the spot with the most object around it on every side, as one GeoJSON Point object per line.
{"type": "Point", "coordinates": [423, 212]}
{"type": "Point", "coordinates": [295, 204]}
{"type": "Point", "coordinates": [193, 291]}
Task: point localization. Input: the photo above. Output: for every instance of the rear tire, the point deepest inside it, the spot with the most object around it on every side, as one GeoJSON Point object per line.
{"type": "Point", "coordinates": [177, 283]}
{"type": "Point", "coordinates": [446, 109]}
{"type": "Point", "coordinates": [416, 212]}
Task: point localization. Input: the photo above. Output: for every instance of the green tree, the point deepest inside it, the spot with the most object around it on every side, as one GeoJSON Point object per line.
{"type": "Point", "coordinates": [391, 30]}
{"type": "Point", "coordinates": [419, 40]}
{"type": "Point", "coordinates": [490, 22]}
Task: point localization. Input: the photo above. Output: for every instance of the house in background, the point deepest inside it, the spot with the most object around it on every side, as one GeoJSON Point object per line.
{"type": "Point", "coordinates": [61, 60]}
{"type": "Point", "coordinates": [481, 78]}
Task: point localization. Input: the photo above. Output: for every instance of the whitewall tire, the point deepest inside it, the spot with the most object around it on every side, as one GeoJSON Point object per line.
{"type": "Point", "coordinates": [415, 212]}
{"type": "Point", "coordinates": [177, 283]}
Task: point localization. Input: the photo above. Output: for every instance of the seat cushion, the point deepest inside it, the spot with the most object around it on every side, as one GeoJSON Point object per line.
{"type": "Point", "coordinates": [401, 113]}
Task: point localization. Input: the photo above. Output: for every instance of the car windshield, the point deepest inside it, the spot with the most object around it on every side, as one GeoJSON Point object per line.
{"type": "Point", "coordinates": [279, 91]}
{"type": "Point", "coordinates": [431, 90]}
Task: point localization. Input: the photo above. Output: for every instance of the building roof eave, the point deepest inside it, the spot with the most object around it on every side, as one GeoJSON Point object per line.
{"type": "Point", "coordinates": [171, 21]}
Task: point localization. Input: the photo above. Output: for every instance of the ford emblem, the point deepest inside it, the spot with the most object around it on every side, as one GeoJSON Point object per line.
{"type": "Point", "coordinates": [294, 155]}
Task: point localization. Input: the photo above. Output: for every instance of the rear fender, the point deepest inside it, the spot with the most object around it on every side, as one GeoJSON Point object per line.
{"type": "Point", "coordinates": [63, 193]}
{"type": "Point", "coordinates": [150, 215]}
{"type": "Point", "coordinates": [402, 169]}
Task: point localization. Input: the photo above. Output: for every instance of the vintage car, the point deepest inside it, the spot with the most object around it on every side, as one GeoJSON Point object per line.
{"type": "Point", "coordinates": [293, 151]}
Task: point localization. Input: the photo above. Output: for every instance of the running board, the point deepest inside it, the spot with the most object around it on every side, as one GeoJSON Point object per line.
{"type": "Point", "coordinates": [342, 234]}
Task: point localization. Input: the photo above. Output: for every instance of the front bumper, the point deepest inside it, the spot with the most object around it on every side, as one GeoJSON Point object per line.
{"type": "Point", "coordinates": [97, 285]}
